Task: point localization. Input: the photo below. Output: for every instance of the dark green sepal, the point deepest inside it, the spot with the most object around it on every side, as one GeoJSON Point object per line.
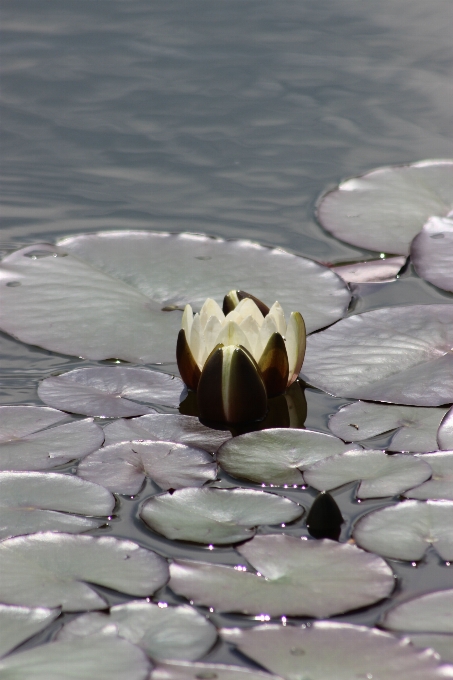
{"type": "Point", "coordinates": [234, 297]}
{"type": "Point", "coordinates": [324, 519]}
{"type": "Point", "coordinates": [274, 366]}
{"type": "Point", "coordinates": [188, 367]}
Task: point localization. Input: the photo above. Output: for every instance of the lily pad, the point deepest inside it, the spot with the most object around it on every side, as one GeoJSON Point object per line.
{"type": "Point", "coordinates": [328, 650]}
{"type": "Point", "coordinates": [206, 671]}
{"type": "Point", "coordinates": [441, 485]}
{"type": "Point", "coordinates": [123, 467]}
{"type": "Point", "coordinates": [166, 427]}
{"type": "Point", "coordinates": [432, 252]}
{"type": "Point", "coordinates": [163, 632]}
{"type": "Point", "coordinates": [277, 456]}
{"type": "Point", "coordinates": [374, 270]}
{"type": "Point", "coordinates": [400, 355]}
{"type": "Point", "coordinates": [110, 295]}
{"type": "Point", "coordinates": [428, 613]}
{"type": "Point", "coordinates": [43, 501]}
{"type": "Point", "coordinates": [442, 644]}
{"type": "Point", "coordinates": [99, 658]}
{"type": "Point", "coordinates": [297, 578]}
{"type": "Point", "coordinates": [26, 444]}
{"type": "Point", "coordinates": [405, 531]}
{"type": "Point", "coordinates": [50, 570]}
{"type": "Point", "coordinates": [445, 432]}
{"type": "Point", "coordinates": [384, 209]}
{"type": "Point", "coordinates": [380, 474]}
{"type": "Point", "coordinates": [417, 426]}
{"type": "Point", "coordinates": [110, 391]}
{"type": "Point", "coordinates": [216, 516]}
{"type": "Point", "coordinates": [17, 624]}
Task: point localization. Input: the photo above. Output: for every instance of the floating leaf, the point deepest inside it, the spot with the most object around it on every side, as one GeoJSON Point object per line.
{"type": "Point", "coordinates": [373, 270]}
{"type": "Point", "coordinates": [442, 644]}
{"type": "Point", "coordinates": [108, 391]}
{"type": "Point", "coordinates": [432, 252]}
{"type": "Point", "coordinates": [42, 501]}
{"type": "Point", "coordinates": [397, 354]}
{"type": "Point", "coordinates": [17, 624]}
{"type": "Point", "coordinates": [384, 209]}
{"type": "Point", "coordinates": [122, 468]}
{"type": "Point", "coordinates": [445, 432]}
{"type": "Point", "coordinates": [166, 427]}
{"type": "Point", "coordinates": [380, 474]}
{"type": "Point", "coordinates": [277, 456]}
{"type": "Point", "coordinates": [206, 671]}
{"type": "Point", "coordinates": [25, 444]}
{"type": "Point", "coordinates": [328, 650]}
{"type": "Point", "coordinates": [163, 632]}
{"type": "Point", "coordinates": [428, 613]}
{"type": "Point", "coordinates": [49, 569]}
{"type": "Point", "coordinates": [406, 530]}
{"type": "Point", "coordinates": [217, 516]}
{"type": "Point", "coordinates": [417, 426]}
{"type": "Point", "coordinates": [98, 658]}
{"type": "Point", "coordinates": [441, 485]}
{"type": "Point", "coordinates": [110, 295]}
{"type": "Point", "coordinates": [297, 578]}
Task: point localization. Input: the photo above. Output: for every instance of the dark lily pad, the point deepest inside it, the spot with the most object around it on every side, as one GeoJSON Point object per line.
{"type": "Point", "coordinates": [120, 287]}
{"type": "Point", "coordinates": [405, 531]}
{"type": "Point", "coordinates": [400, 355]}
{"type": "Point", "coordinates": [416, 426]}
{"type": "Point", "coordinates": [277, 456]}
{"type": "Point", "coordinates": [50, 570]}
{"type": "Point", "coordinates": [428, 613]}
{"type": "Point", "coordinates": [440, 486]}
{"type": "Point", "coordinates": [111, 391]}
{"type": "Point", "coordinates": [296, 578]}
{"type": "Point", "coordinates": [17, 624]}
{"type": "Point", "coordinates": [445, 432]}
{"type": "Point", "coordinates": [216, 516]}
{"type": "Point", "coordinates": [385, 269]}
{"type": "Point", "coordinates": [432, 252]}
{"type": "Point", "coordinates": [384, 209]}
{"type": "Point", "coordinates": [122, 468]}
{"type": "Point", "coordinates": [207, 671]}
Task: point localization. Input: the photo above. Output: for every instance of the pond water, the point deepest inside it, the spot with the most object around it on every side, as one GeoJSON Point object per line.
{"type": "Point", "coordinates": [223, 117]}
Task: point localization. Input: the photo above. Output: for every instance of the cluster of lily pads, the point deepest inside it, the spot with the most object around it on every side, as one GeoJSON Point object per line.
{"type": "Point", "coordinates": [109, 432]}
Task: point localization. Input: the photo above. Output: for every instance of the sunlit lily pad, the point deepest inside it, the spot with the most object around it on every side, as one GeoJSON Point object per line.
{"type": "Point", "coordinates": [445, 432]}
{"type": "Point", "coordinates": [110, 391]}
{"type": "Point", "coordinates": [122, 468]}
{"type": "Point", "coordinates": [297, 578]}
{"type": "Point", "coordinates": [405, 531]}
{"type": "Point", "coordinates": [373, 270]}
{"type": "Point", "coordinates": [26, 444]}
{"type": "Point", "coordinates": [89, 659]}
{"type": "Point", "coordinates": [277, 456]}
{"type": "Point", "coordinates": [442, 644]}
{"type": "Point", "coordinates": [380, 474]}
{"type": "Point", "coordinates": [44, 501]}
{"type": "Point", "coordinates": [440, 486]}
{"type": "Point", "coordinates": [417, 426]}
{"type": "Point", "coordinates": [384, 209]}
{"type": "Point", "coordinates": [207, 671]}
{"type": "Point", "coordinates": [400, 355]}
{"type": "Point", "coordinates": [166, 427]}
{"type": "Point", "coordinates": [428, 613]}
{"type": "Point", "coordinates": [163, 632]}
{"type": "Point", "coordinates": [218, 516]}
{"type": "Point", "coordinates": [111, 294]}
{"type": "Point", "coordinates": [432, 252]}
{"type": "Point", "coordinates": [17, 624]}
{"type": "Point", "coordinates": [334, 651]}
{"type": "Point", "coordinates": [50, 570]}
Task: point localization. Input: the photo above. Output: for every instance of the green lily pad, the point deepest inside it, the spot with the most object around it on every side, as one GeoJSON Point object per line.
{"type": "Point", "coordinates": [216, 516]}
{"type": "Point", "coordinates": [207, 671]}
{"type": "Point", "coordinates": [432, 252]}
{"type": "Point", "coordinates": [51, 570]}
{"type": "Point", "coordinates": [441, 644]}
{"type": "Point", "coordinates": [440, 486]}
{"type": "Point", "coordinates": [428, 613]}
{"type": "Point", "coordinates": [110, 295]}
{"type": "Point", "coordinates": [277, 456]}
{"type": "Point", "coordinates": [381, 270]}
{"type": "Point", "coordinates": [295, 578]}
{"type": "Point", "coordinates": [406, 530]}
{"type": "Point", "coordinates": [416, 426]}
{"type": "Point", "coordinates": [380, 474]}
{"type": "Point", "coordinates": [445, 432]}
{"type": "Point", "coordinates": [384, 209]}
{"type": "Point", "coordinates": [17, 624]}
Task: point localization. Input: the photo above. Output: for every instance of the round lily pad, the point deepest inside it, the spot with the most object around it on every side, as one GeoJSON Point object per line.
{"type": "Point", "coordinates": [327, 650]}
{"type": "Point", "coordinates": [296, 578]}
{"type": "Point", "coordinates": [17, 624]}
{"type": "Point", "coordinates": [384, 269]}
{"type": "Point", "coordinates": [277, 456]}
{"type": "Point", "coordinates": [216, 516]}
{"type": "Point", "coordinates": [445, 432]}
{"type": "Point", "coordinates": [111, 391]}
{"type": "Point", "coordinates": [206, 671]}
{"type": "Point", "coordinates": [123, 467]}
{"type": "Point", "coordinates": [399, 355]}
{"type": "Point", "coordinates": [416, 426]}
{"type": "Point", "coordinates": [50, 570]}
{"type": "Point", "coordinates": [26, 444]}
{"type": "Point", "coordinates": [115, 294]}
{"type": "Point", "coordinates": [405, 531]}
{"type": "Point", "coordinates": [428, 613]}
{"type": "Point", "coordinates": [384, 209]}
{"type": "Point", "coordinates": [163, 632]}
{"type": "Point", "coordinates": [442, 644]}
{"type": "Point", "coordinates": [43, 501]}
{"type": "Point", "coordinates": [432, 252]}
{"type": "Point", "coordinates": [440, 486]}
{"type": "Point", "coordinates": [380, 474]}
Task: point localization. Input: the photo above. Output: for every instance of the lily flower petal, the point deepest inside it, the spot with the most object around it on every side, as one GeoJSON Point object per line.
{"type": "Point", "coordinates": [210, 308]}
{"type": "Point", "coordinates": [232, 334]}
{"type": "Point", "coordinates": [277, 313]}
{"type": "Point", "coordinates": [187, 365]}
{"type": "Point", "coordinates": [234, 297]}
{"type": "Point", "coordinates": [268, 328]}
{"type": "Point", "coordinates": [252, 331]}
{"type": "Point", "coordinates": [296, 340]}
{"type": "Point", "coordinates": [244, 309]}
{"type": "Point", "coordinates": [274, 367]}
{"type": "Point", "coordinates": [196, 340]}
{"type": "Point", "coordinates": [187, 320]}
{"type": "Point", "coordinates": [211, 333]}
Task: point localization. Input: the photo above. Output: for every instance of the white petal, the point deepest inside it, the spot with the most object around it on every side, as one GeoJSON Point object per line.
{"type": "Point", "coordinates": [295, 345]}
{"type": "Point", "coordinates": [210, 308]}
{"type": "Point", "coordinates": [187, 320]}
{"type": "Point", "coordinates": [245, 308]}
{"type": "Point", "coordinates": [231, 334]}
{"type": "Point", "coordinates": [196, 342]}
{"type": "Point", "coordinates": [269, 326]}
{"type": "Point", "coordinates": [252, 331]}
{"type": "Point", "coordinates": [277, 313]}
{"type": "Point", "coordinates": [211, 332]}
